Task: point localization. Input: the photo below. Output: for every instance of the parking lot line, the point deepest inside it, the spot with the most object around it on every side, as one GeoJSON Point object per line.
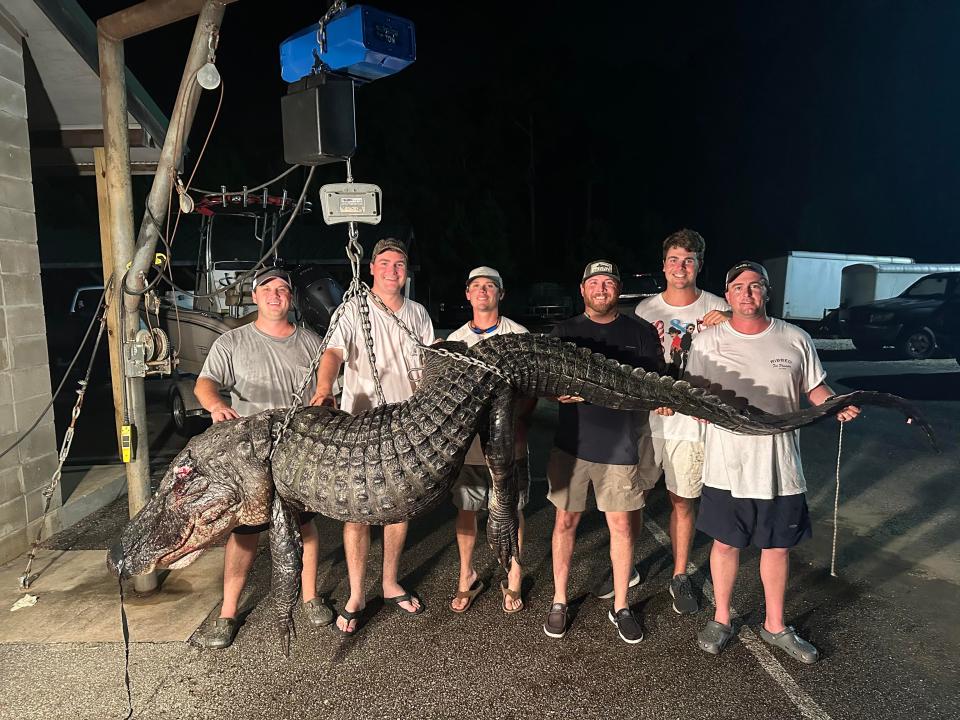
{"type": "Point", "coordinates": [802, 701]}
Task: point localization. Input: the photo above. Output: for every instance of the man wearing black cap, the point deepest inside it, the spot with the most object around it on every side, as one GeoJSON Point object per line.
{"type": "Point", "coordinates": [260, 365]}
{"type": "Point", "coordinates": [397, 357]}
{"type": "Point", "coordinates": [754, 488]}
{"type": "Point", "coordinates": [598, 446]}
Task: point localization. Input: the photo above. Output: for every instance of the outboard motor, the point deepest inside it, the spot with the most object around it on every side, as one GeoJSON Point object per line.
{"type": "Point", "coordinates": [317, 295]}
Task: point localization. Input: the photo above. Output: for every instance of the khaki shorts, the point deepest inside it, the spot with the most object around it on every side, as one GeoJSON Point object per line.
{"type": "Point", "coordinates": [680, 461]}
{"type": "Point", "coordinates": [471, 489]}
{"type": "Point", "coordinates": [616, 487]}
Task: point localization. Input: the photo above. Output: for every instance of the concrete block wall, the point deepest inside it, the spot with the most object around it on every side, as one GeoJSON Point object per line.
{"type": "Point", "coordinates": [24, 373]}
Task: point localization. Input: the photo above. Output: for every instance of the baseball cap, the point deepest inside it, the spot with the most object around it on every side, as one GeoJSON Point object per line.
{"type": "Point", "coordinates": [268, 274]}
{"type": "Point", "coordinates": [601, 267]}
{"type": "Point", "coordinates": [743, 266]}
{"type": "Point", "coordinates": [388, 243]}
{"type": "Point", "coordinates": [485, 272]}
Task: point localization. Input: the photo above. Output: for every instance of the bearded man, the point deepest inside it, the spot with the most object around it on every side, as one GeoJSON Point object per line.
{"type": "Point", "coordinates": [599, 446]}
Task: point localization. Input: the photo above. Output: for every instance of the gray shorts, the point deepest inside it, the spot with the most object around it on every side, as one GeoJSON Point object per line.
{"type": "Point", "coordinates": [471, 490]}
{"type": "Point", "coordinates": [617, 488]}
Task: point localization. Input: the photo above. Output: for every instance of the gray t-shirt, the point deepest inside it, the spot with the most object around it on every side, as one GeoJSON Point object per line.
{"type": "Point", "coordinates": [261, 372]}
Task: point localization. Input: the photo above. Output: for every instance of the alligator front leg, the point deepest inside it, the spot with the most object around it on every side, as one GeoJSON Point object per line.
{"type": "Point", "coordinates": [286, 551]}
{"type": "Point", "coordinates": [503, 522]}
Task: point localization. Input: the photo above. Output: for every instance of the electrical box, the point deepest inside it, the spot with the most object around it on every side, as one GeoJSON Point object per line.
{"type": "Point", "coordinates": [319, 124]}
{"type": "Point", "coordinates": [362, 42]}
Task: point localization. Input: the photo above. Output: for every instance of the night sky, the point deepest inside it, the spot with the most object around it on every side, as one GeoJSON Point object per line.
{"type": "Point", "coordinates": [765, 126]}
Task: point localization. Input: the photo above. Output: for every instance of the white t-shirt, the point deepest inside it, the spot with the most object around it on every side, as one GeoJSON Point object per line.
{"type": "Point", "coordinates": [396, 354]}
{"type": "Point", "coordinates": [771, 370]}
{"type": "Point", "coordinates": [677, 327]}
{"type": "Point", "coordinates": [465, 334]}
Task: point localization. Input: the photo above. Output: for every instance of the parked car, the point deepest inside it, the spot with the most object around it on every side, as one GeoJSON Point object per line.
{"type": "Point", "coordinates": [636, 287]}
{"type": "Point", "coordinates": [918, 320]}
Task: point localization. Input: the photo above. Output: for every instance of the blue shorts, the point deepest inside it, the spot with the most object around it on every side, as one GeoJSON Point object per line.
{"type": "Point", "coordinates": [779, 523]}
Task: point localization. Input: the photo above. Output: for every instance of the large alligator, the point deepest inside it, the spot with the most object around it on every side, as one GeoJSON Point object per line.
{"type": "Point", "coordinates": [395, 461]}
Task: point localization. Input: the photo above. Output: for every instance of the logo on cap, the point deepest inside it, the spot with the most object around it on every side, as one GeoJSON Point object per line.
{"type": "Point", "coordinates": [601, 267]}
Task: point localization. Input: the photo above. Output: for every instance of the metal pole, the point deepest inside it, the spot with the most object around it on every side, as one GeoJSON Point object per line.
{"type": "Point", "coordinates": [117, 181]}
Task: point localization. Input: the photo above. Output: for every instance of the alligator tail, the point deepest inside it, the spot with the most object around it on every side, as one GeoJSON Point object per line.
{"type": "Point", "coordinates": [545, 366]}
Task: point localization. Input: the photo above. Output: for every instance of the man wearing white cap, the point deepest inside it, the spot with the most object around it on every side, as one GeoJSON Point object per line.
{"type": "Point", "coordinates": [472, 488]}
{"type": "Point", "coordinates": [260, 365]}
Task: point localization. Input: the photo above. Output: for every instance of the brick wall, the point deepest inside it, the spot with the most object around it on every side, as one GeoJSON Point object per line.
{"type": "Point", "coordinates": [24, 373]}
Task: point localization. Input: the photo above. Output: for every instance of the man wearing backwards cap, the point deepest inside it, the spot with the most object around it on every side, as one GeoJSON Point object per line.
{"type": "Point", "coordinates": [397, 356]}
{"type": "Point", "coordinates": [260, 365]}
{"type": "Point", "coordinates": [472, 487]}
{"type": "Point", "coordinates": [599, 446]}
{"type": "Point", "coordinates": [753, 487]}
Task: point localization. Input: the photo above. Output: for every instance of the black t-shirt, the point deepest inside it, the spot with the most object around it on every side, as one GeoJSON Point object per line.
{"type": "Point", "coordinates": [599, 434]}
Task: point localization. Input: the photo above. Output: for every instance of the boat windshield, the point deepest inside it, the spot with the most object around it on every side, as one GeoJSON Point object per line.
{"type": "Point", "coordinates": [233, 239]}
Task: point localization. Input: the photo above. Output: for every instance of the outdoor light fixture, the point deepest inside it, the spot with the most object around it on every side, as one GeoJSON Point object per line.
{"type": "Point", "coordinates": [323, 63]}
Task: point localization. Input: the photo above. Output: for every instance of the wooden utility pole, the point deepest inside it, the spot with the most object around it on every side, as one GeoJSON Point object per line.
{"type": "Point", "coordinates": [116, 197]}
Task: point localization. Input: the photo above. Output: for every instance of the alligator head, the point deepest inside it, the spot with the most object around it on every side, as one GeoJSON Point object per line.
{"type": "Point", "coordinates": [220, 480]}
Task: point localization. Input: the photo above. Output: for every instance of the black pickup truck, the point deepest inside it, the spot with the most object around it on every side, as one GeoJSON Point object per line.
{"type": "Point", "coordinates": [922, 318]}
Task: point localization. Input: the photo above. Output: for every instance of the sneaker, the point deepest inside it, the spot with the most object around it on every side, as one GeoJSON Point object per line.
{"type": "Point", "coordinates": [221, 635]}
{"type": "Point", "coordinates": [791, 643]}
{"type": "Point", "coordinates": [318, 612]}
{"type": "Point", "coordinates": [684, 602]}
{"type": "Point", "coordinates": [556, 624]}
{"type": "Point", "coordinates": [627, 626]}
{"type": "Point", "coordinates": [605, 591]}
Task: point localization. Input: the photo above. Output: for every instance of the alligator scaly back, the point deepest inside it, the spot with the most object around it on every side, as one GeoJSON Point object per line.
{"type": "Point", "coordinates": [543, 365]}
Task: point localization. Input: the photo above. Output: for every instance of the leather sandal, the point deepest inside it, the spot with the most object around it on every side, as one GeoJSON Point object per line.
{"type": "Point", "coordinates": [468, 595]}
{"type": "Point", "coordinates": [513, 595]}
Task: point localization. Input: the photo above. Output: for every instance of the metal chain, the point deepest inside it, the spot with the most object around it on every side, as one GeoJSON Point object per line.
{"type": "Point", "coordinates": [48, 491]}
{"type": "Point", "coordinates": [335, 8]}
{"type": "Point", "coordinates": [438, 351]}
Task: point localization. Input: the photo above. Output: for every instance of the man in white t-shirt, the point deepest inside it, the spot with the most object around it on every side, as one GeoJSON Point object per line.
{"type": "Point", "coordinates": [396, 358]}
{"type": "Point", "coordinates": [754, 488]}
{"type": "Point", "coordinates": [471, 490]}
{"type": "Point", "coordinates": [673, 445]}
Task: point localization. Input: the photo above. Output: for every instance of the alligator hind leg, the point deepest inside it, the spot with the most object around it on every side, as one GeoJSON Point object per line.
{"type": "Point", "coordinates": [286, 551]}
{"type": "Point", "coordinates": [503, 523]}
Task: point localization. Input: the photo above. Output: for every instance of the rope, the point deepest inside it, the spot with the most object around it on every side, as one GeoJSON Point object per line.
{"type": "Point", "coordinates": [26, 578]}
{"type": "Point", "coordinates": [836, 508]}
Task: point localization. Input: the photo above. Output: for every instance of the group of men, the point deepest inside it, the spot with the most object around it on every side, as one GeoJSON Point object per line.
{"type": "Point", "coordinates": [751, 489]}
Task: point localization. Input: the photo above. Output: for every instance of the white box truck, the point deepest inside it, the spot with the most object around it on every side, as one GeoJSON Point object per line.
{"type": "Point", "coordinates": [805, 285]}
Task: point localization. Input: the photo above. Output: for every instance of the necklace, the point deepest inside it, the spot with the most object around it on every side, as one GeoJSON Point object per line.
{"type": "Point", "coordinates": [484, 331]}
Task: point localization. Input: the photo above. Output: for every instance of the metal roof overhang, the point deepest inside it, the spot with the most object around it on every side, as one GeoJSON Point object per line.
{"type": "Point", "coordinates": [63, 92]}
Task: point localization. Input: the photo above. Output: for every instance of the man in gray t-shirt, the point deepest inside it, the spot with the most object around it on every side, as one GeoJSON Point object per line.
{"type": "Point", "coordinates": [260, 365]}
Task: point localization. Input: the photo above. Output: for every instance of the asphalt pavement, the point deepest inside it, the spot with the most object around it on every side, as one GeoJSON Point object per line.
{"type": "Point", "coordinates": [885, 625]}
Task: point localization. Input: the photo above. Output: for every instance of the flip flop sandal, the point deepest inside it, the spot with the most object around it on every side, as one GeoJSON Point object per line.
{"type": "Point", "coordinates": [513, 595]}
{"type": "Point", "coordinates": [468, 595]}
{"type": "Point", "coordinates": [348, 616]}
{"type": "Point", "coordinates": [406, 597]}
